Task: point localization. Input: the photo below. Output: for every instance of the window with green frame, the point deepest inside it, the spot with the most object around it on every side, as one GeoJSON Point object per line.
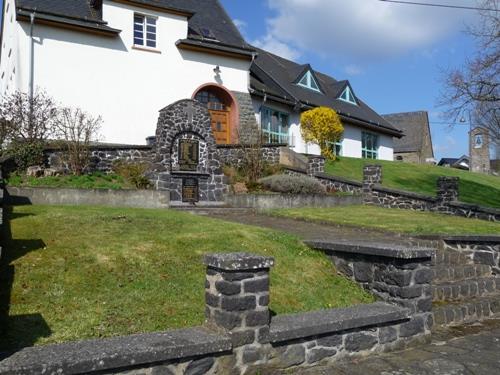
{"type": "Point", "coordinates": [369, 145]}
{"type": "Point", "coordinates": [336, 147]}
{"type": "Point", "coordinates": [274, 125]}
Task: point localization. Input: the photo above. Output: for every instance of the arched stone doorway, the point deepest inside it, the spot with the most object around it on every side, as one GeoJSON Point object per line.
{"type": "Point", "coordinates": [223, 109]}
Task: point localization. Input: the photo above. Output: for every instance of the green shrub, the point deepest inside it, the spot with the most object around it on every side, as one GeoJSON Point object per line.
{"type": "Point", "coordinates": [292, 184]}
{"type": "Point", "coordinates": [133, 172]}
{"type": "Point", "coordinates": [26, 154]}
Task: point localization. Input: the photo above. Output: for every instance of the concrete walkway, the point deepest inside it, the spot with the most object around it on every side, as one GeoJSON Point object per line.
{"type": "Point", "coordinates": [467, 350]}
{"type": "Point", "coordinates": [311, 230]}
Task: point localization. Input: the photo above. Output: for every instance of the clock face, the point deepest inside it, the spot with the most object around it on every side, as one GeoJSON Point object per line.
{"type": "Point", "coordinates": [478, 141]}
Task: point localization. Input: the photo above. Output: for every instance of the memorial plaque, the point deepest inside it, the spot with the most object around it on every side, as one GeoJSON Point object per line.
{"type": "Point", "coordinates": [189, 154]}
{"type": "Point", "coordinates": [190, 190]}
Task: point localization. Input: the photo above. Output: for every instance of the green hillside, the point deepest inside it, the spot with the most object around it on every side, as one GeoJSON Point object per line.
{"type": "Point", "coordinates": [474, 188]}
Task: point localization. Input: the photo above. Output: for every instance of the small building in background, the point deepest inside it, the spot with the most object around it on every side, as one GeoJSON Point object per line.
{"type": "Point", "coordinates": [459, 163]}
{"type": "Point", "coordinates": [416, 145]}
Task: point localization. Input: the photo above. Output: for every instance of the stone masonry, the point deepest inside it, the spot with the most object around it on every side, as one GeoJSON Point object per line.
{"type": "Point", "coordinates": [235, 155]}
{"type": "Point", "coordinates": [372, 175]}
{"type": "Point", "coordinates": [248, 130]}
{"type": "Point", "coordinates": [240, 337]}
{"type": "Point", "coordinates": [315, 165]}
{"type": "Point", "coordinates": [466, 279]}
{"type": "Point", "coordinates": [187, 119]}
{"type": "Point", "coordinates": [237, 301]}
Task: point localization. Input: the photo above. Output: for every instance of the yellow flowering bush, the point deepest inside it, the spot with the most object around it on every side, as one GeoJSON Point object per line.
{"type": "Point", "coordinates": [322, 125]}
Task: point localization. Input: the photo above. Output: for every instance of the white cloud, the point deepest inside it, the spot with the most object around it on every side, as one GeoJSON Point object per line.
{"type": "Point", "coordinates": [240, 24]}
{"type": "Point", "coordinates": [353, 70]}
{"type": "Point", "coordinates": [361, 29]}
{"type": "Point", "coordinates": [273, 45]}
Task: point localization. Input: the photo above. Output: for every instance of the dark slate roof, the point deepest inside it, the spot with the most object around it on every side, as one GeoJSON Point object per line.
{"type": "Point", "coordinates": [277, 77]}
{"type": "Point", "coordinates": [414, 125]}
{"type": "Point", "coordinates": [453, 161]}
{"type": "Point", "coordinates": [203, 14]}
{"type": "Point", "coordinates": [448, 161]}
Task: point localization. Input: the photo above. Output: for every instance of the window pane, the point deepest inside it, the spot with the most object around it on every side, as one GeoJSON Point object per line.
{"type": "Point", "coordinates": [151, 36]}
{"type": "Point", "coordinates": [151, 43]}
{"type": "Point", "coordinates": [151, 29]}
{"type": "Point", "coordinates": [138, 41]}
{"type": "Point", "coordinates": [151, 21]}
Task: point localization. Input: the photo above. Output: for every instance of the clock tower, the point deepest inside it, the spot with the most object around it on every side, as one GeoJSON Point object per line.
{"type": "Point", "coordinates": [479, 149]}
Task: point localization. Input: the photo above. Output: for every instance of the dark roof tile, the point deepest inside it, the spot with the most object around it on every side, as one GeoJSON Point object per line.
{"type": "Point", "coordinates": [414, 125]}
{"type": "Point", "coordinates": [277, 74]}
{"type": "Point", "coordinates": [207, 14]}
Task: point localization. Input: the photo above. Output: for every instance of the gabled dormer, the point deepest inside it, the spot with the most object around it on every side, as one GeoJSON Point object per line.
{"type": "Point", "coordinates": [308, 80]}
{"type": "Point", "coordinates": [348, 96]}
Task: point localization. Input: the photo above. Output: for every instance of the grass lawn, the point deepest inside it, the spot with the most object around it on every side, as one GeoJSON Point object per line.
{"type": "Point", "coordinates": [82, 272]}
{"type": "Point", "coordinates": [93, 181]}
{"type": "Point", "coordinates": [474, 187]}
{"type": "Point", "coordinates": [393, 220]}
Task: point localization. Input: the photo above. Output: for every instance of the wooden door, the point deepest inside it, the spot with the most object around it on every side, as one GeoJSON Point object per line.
{"type": "Point", "coordinates": [220, 126]}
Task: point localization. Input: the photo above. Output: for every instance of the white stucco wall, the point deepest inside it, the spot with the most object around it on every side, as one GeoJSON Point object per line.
{"type": "Point", "coordinates": [127, 87]}
{"type": "Point", "coordinates": [9, 69]}
{"type": "Point", "coordinates": [351, 143]}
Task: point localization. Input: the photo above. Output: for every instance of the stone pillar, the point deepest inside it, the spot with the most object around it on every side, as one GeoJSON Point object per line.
{"type": "Point", "coordinates": [447, 189]}
{"type": "Point", "coordinates": [315, 164]}
{"type": "Point", "coordinates": [372, 174]}
{"type": "Point", "coordinates": [237, 296]}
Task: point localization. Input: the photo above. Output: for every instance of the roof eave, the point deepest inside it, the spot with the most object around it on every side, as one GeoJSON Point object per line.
{"type": "Point", "coordinates": [157, 7]}
{"type": "Point", "coordinates": [223, 50]}
{"type": "Point", "coordinates": [70, 23]}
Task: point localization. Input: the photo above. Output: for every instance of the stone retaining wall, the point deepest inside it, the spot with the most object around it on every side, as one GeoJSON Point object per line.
{"type": "Point", "coordinates": [274, 201]}
{"type": "Point", "coordinates": [103, 157]}
{"type": "Point", "coordinates": [395, 274]}
{"type": "Point", "coordinates": [93, 197]}
{"type": "Point", "coordinates": [235, 155]}
{"type": "Point", "coordinates": [480, 249]}
{"type": "Point", "coordinates": [241, 337]}
{"type": "Point", "coordinates": [446, 200]}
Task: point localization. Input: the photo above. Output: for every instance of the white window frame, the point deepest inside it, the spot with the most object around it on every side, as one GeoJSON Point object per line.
{"type": "Point", "coordinates": [309, 82]}
{"type": "Point", "coordinates": [142, 42]}
{"type": "Point", "coordinates": [350, 98]}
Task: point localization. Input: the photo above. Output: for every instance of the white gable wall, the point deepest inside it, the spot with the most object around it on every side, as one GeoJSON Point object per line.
{"type": "Point", "coordinates": [106, 77]}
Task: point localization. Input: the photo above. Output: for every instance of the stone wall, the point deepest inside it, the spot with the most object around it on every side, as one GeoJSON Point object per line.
{"type": "Point", "coordinates": [480, 249]}
{"type": "Point", "coordinates": [332, 183]}
{"type": "Point", "coordinates": [276, 201]}
{"type": "Point", "coordinates": [187, 119]}
{"type": "Point", "coordinates": [395, 274]}
{"type": "Point", "coordinates": [241, 337]}
{"type": "Point", "coordinates": [235, 155]}
{"type": "Point", "coordinates": [248, 130]}
{"type": "Point", "coordinates": [94, 197]}
{"type": "Point", "coordinates": [102, 157]}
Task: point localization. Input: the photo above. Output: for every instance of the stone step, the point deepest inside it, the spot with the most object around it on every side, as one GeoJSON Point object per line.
{"type": "Point", "coordinates": [449, 273]}
{"type": "Point", "coordinates": [465, 289]}
{"type": "Point", "coordinates": [473, 310]}
{"type": "Point", "coordinates": [450, 257]}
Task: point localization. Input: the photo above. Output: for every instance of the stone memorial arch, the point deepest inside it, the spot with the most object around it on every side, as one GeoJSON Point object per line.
{"type": "Point", "coordinates": [186, 161]}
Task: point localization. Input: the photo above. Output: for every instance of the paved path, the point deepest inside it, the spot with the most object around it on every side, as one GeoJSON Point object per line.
{"type": "Point", "coordinates": [468, 350]}
{"type": "Point", "coordinates": [310, 230]}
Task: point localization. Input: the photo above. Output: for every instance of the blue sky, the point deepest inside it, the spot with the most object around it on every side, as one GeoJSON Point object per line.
{"type": "Point", "coordinates": [393, 55]}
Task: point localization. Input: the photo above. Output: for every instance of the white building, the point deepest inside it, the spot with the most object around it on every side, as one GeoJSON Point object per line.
{"type": "Point", "coordinates": [126, 59]}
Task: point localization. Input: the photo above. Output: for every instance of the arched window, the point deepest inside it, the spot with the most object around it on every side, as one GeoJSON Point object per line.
{"type": "Point", "coordinates": [211, 100]}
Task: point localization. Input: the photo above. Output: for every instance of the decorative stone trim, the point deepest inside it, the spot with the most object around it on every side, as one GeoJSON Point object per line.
{"type": "Point", "coordinates": [117, 353]}
{"type": "Point", "coordinates": [316, 323]}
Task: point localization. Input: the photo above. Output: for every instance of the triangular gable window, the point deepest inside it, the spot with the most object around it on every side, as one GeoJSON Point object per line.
{"type": "Point", "coordinates": [347, 96]}
{"type": "Point", "coordinates": [309, 82]}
